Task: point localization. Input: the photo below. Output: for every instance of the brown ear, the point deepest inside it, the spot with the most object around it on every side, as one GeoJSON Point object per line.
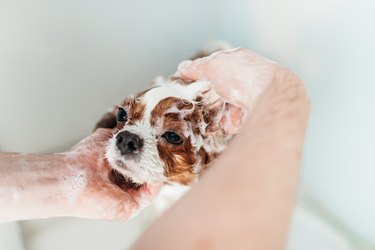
{"type": "Point", "coordinates": [108, 120]}
{"type": "Point", "coordinates": [232, 119]}
{"type": "Point", "coordinates": [225, 119]}
{"type": "Point", "coordinates": [219, 116]}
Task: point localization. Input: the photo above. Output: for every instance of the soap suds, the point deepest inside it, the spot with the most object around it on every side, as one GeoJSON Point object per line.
{"type": "Point", "coordinates": [73, 185]}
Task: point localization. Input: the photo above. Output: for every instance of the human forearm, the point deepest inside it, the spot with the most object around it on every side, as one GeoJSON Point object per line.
{"type": "Point", "coordinates": [34, 186]}
{"type": "Point", "coordinates": [261, 193]}
{"type": "Point", "coordinates": [74, 183]}
{"type": "Point", "coordinates": [246, 199]}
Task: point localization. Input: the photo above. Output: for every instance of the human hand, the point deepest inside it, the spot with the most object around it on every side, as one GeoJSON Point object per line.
{"type": "Point", "coordinates": [262, 161]}
{"type": "Point", "coordinates": [238, 75]}
{"type": "Point", "coordinates": [92, 193]}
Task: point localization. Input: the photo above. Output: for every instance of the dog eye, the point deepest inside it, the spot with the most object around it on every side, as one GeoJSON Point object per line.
{"type": "Point", "coordinates": [172, 137]}
{"type": "Point", "coordinates": [122, 116]}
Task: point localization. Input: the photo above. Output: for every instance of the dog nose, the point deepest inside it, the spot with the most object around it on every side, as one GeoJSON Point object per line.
{"type": "Point", "coordinates": [128, 142]}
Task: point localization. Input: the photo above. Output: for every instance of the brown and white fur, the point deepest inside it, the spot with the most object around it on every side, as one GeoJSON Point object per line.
{"type": "Point", "coordinates": [191, 110]}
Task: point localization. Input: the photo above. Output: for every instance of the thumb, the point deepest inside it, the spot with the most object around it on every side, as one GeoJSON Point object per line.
{"type": "Point", "coordinates": [102, 134]}
{"type": "Point", "coordinates": [189, 70]}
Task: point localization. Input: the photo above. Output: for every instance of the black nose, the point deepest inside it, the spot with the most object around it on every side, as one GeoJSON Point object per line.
{"type": "Point", "coordinates": [128, 142]}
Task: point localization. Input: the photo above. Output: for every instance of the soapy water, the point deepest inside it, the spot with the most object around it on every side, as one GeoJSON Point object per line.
{"type": "Point", "coordinates": [74, 185]}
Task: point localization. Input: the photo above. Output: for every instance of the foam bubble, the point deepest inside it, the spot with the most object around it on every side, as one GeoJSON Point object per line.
{"type": "Point", "coordinates": [73, 185]}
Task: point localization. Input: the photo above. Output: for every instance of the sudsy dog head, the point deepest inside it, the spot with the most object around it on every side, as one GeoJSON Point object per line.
{"type": "Point", "coordinates": [170, 132]}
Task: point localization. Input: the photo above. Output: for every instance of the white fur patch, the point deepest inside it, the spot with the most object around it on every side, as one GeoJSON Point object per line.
{"type": "Point", "coordinates": [143, 167]}
{"type": "Point", "coordinates": [172, 89]}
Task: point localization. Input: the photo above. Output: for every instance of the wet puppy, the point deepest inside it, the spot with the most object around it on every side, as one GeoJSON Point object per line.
{"type": "Point", "coordinates": [168, 133]}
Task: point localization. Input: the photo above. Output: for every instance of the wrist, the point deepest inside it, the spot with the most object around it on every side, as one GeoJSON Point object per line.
{"type": "Point", "coordinates": [32, 186]}
{"type": "Point", "coordinates": [73, 183]}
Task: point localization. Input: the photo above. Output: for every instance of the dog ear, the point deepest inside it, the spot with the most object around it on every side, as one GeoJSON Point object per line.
{"type": "Point", "coordinates": [232, 119]}
{"type": "Point", "coordinates": [108, 120]}
{"type": "Point", "coordinates": [219, 116]}
{"type": "Point", "coordinates": [226, 119]}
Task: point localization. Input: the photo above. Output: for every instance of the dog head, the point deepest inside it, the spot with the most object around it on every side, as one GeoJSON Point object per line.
{"type": "Point", "coordinates": [170, 132]}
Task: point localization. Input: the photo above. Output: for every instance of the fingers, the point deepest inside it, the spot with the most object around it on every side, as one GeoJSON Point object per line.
{"type": "Point", "coordinates": [130, 203]}
{"type": "Point", "coordinates": [194, 70]}
{"type": "Point", "coordinates": [238, 75]}
{"type": "Point", "coordinates": [197, 69]}
{"type": "Point", "coordinates": [128, 199]}
{"type": "Point", "coordinates": [103, 134]}
{"type": "Point", "coordinates": [145, 194]}
{"type": "Point", "coordinates": [97, 138]}
{"type": "Point", "coordinates": [113, 204]}
{"type": "Point", "coordinates": [150, 190]}
{"type": "Point", "coordinates": [187, 70]}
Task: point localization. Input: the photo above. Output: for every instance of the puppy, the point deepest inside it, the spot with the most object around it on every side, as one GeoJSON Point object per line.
{"type": "Point", "coordinates": [168, 133]}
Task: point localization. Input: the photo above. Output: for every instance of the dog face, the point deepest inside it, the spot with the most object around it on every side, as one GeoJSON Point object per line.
{"type": "Point", "coordinates": [168, 133]}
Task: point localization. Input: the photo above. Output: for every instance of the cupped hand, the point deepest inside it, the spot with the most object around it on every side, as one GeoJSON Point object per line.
{"type": "Point", "coordinates": [238, 75]}
{"type": "Point", "coordinates": [98, 197]}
